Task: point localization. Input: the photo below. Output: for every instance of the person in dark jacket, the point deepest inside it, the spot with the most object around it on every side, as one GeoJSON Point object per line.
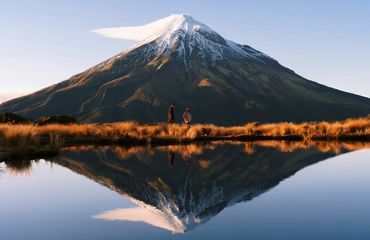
{"type": "Point", "coordinates": [171, 114]}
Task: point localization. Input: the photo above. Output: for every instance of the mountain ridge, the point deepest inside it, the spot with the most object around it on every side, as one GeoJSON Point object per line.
{"type": "Point", "coordinates": [186, 62]}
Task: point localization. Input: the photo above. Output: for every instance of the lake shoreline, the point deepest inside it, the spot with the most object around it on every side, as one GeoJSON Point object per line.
{"type": "Point", "coordinates": [20, 139]}
{"type": "Point", "coordinates": [48, 151]}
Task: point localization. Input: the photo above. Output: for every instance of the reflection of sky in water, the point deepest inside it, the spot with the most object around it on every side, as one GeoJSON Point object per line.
{"type": "Point", "coordinates": [327, 199]}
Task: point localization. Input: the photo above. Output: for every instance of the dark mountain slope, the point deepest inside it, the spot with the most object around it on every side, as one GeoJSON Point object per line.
{"type": "Point", "coordinates": [191, 65]}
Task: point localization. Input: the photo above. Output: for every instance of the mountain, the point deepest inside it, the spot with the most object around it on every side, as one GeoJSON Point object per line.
{"type": "Point", "coordinates": [183, 190]}
{"type": "Point", "coordinates": [3, 98]}
{"type": "Point", "coordinates": [186, 62]}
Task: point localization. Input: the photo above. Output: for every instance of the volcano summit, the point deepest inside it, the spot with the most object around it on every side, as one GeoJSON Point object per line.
{"type": "Point", "coordinates": [181, 60]}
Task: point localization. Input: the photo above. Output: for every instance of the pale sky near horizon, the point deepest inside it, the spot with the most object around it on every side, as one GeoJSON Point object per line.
{"type": "Point", "coordinates": [45, 42]}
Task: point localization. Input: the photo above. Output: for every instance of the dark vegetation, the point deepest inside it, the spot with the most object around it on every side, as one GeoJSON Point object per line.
{"type": "Point", "coordinates": [11, 118]}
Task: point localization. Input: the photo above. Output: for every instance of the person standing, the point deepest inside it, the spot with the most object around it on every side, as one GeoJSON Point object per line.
{"type": "Point", "coordinates": [186, 116]}
{"type": "Point", "coordinates": [171, 114]}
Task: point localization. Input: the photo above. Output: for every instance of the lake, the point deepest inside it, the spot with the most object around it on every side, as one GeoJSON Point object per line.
{"type": "Point", "coordinates": [232, 190]}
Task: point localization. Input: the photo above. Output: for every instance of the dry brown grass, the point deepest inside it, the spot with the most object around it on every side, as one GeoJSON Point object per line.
{"type": "Point", "coordinates": [59, 135]}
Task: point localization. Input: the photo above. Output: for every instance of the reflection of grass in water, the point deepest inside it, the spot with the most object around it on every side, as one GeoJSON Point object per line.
{"type": "Point", "coordinates": [125, 152]}
{"type": "Point", "coordinates": [17, 160]}
{"type": "Point", "coordinates": [19, 166]}
{"type": "Point", "coordinates": [322, 146]}
{"type": "Point", "coordinates": [121, 151]}
{"type": "Point", "coordinates": [249, 147]}
{"type": "Point", "coordinates": [23, 165]}
{"type": "Point", "coordinates": [185, 150]}
{"type": "Point", "coordinates": [58, 135]}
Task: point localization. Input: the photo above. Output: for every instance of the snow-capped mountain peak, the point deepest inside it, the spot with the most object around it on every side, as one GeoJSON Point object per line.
{"type": "Point", "coordinates": [150, 31]}
{"type": "Point", "coordinates": [183, 35]}
{"type": "Point", "coordinates": [173, 24]}
{"type": "Point", "coordinates": [169, 31]}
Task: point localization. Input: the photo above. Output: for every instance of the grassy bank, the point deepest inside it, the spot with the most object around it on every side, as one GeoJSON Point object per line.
{"type": "Point", "coordinates": [55, 135]}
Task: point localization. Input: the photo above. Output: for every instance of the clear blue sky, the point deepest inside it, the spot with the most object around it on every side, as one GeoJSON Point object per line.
{"type": "Point", "coordinates": [44, 42]}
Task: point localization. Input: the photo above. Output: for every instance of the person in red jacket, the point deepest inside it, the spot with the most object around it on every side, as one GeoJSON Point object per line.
{"type": "Point", "coordinates": [187, 116]}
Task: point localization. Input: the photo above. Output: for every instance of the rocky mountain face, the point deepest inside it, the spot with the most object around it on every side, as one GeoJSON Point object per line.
{"type": "Point", "coordinates": [188, 63]}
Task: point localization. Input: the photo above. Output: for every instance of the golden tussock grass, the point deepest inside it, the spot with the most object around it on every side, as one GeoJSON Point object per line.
{"type": "Point", "coordinates": [59, 135]}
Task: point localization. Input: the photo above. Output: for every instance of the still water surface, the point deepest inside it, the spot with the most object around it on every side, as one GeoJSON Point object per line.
{"type": "Point", "coordinates": [228, 191]}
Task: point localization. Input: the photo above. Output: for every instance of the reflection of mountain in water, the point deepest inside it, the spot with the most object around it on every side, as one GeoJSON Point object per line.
{"type": "Point", "coordinates": [181, 194]}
